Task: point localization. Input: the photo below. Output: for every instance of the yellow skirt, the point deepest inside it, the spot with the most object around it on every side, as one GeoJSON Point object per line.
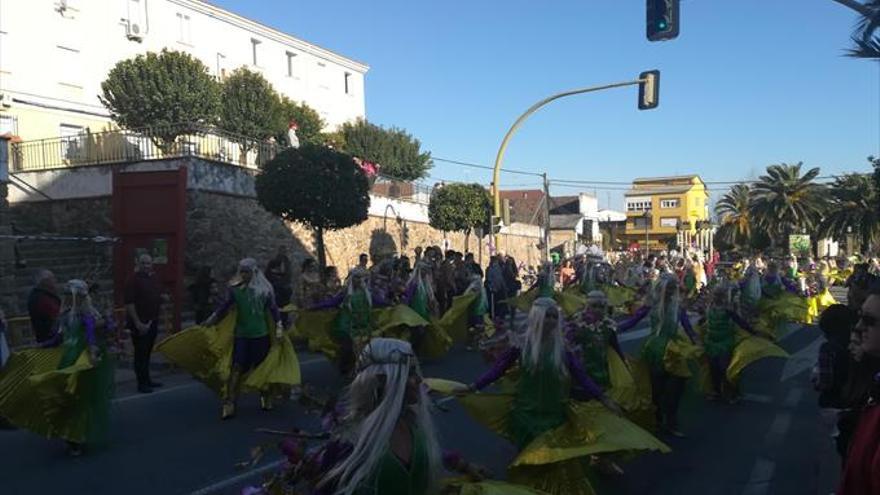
{"type": "Point", "coordinates": [206, 353]}
{"type": "Point", "coordinates": [455, 321]}
{"type": "Point", "coordinates": [631, 388]}
{"type": "Point", "coordinates": [487, 487]}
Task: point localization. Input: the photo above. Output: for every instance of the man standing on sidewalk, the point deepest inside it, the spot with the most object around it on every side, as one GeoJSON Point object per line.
{"type": "Point", "coordinates": [143, 300]}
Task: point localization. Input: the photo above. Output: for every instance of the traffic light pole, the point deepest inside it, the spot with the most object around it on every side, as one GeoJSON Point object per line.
{"type": "Point", "coordinates": [499, 159]}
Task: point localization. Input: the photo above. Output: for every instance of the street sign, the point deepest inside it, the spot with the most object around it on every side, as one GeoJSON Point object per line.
{"type": "Point", "coordinates": [649, 89]}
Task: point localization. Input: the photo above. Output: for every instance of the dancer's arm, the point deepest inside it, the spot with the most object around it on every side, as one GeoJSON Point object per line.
{"type": "Point", "coordinates": [741, 322]}
{"type": "Point", "coordinates": [632, 321]}
{"type": "Point", "coordinates": [504, 363]}
{"type": "Point", "coordinates": [686, 324]}
{"type": "Point", "coordinates": [581, 377]}
{"type": "Point", "coordinates": [221, 310]}
{"type": "Point", "coordinates": [332, 302]}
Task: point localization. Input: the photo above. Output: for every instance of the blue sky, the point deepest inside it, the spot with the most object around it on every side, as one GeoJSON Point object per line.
{"type": "Point", "coordinates": [748, 83]}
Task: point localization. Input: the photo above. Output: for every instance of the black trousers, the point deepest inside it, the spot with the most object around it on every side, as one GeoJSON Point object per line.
{"type": "Point", "coordinates": [667, 391]}
{"type": "Point", "coordinates": [143, 348]}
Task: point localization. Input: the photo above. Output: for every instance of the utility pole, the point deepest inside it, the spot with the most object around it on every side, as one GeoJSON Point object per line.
{"type": "Point", "coordinates": [547, 219]}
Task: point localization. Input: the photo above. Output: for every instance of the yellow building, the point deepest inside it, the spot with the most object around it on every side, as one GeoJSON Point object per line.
{"type": "Point", "coordinates": [668, 210]}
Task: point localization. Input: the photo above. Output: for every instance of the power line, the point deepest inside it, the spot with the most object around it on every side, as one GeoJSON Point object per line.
{"type": "Point", "coordinates": [484, 167]}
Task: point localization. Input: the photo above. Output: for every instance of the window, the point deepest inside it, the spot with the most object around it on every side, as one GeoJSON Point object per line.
{"type": "Point", "coordinates": [638, 205]}
{"type": "Point", "coordinates": [669, 203]}
{"type": "Point", "coordinates": [669, 222]}
{"type": "Point", "coordinates": [640, 223]}
{"type": "Point", "coordinates": [221, 66]}
{"type": "Point", "coordinates": [255, 43]}
{"type": "Point", "coordinates": [291, 59]}
{"type": "Point", "coordinates": [8, 125]}
{"type": "Point", "coordinates": [69, 66]}
{"type": "Point", "coordinates": [347, 82]}
{"type": "Point", "coordinates": [72, 141]}
{"type": "Point", "coordinates": [184, 34]}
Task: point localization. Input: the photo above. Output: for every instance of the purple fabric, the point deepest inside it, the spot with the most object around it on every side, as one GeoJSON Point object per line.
{"type": "Point", "coordinates": [504, 363]}
{"type": "Point", "coordinates": [227, 304]}
{"type": "Point", "coordinates": [741, 322]}
{"type": "Point", "coordinates": [330, 303]}
{"type": "Point", "coordinates": [632, 321]}
{"type": "Point", "coordinates": [581, 377]}
{"type": "Point", "coordinates": [378, 299]}
{"type": "Point", "coordinates": [409, 292]}
{"type": "Point", "coordinates": [89, 324]}
{"type": "Point", "coordinates": [685, 321]}
{"type": "Point", "coordinates": [248, 353]}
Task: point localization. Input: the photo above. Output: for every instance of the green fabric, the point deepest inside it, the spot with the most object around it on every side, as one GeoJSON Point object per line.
{"type": "Point", "coordinates": [250, 320]}
{"type": "Point", "coordinates": [353, 319]}
{"type": "Point", "coordinates": [690, 281]}
{"type": "Point", "coordinates": [720, 333]}
{"type": "Point", "coordinates": [772, 289]}
{"type": "Point", "coordinates": [546, 287]}
{"type": "Point", "coordinates": [419, 301]}
{"type": "Point", "coordinates": [393, 478]}
{"type": "Point", "coordinates": [593, 341]}
{"type": "Point", "coordinates": [655, 346]}
{"type": "Point", "coordinates": [540, 402]}
{"type": "Point", "coordinates": [74, 342]}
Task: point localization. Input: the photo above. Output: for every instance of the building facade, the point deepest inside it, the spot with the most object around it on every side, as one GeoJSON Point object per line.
{"type": "Point", "coordinates": [54, 54]}
{"type": "Point", "coordinates": [662, 211]}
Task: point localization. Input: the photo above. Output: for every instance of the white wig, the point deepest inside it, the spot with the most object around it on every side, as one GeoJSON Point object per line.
{"type": "Point", "coordinates": [540, 339]}
{"type": "Point", "coordinates": [665, 306]}
{"type": "Point", "coordinates": [422, 275]}
{"type": "Point", "coordinates": [375, 401]}
{"type": "Point", "coordinates": [80, 301]}
{"type": "Point", "coordinates": [258, 283]}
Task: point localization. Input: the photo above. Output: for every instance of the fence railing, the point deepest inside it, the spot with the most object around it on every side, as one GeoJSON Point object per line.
{"type": "Point", "coordinates": [161, 142]}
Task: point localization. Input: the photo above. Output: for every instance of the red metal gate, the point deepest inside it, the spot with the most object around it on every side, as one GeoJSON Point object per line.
{"type": "Point", "coordinates": [149, 211]}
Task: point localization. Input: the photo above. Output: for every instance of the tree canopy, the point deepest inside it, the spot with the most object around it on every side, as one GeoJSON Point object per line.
{"type": "Point", "coordinates": [251, 106]}
{"type": "Point", "coordinates": [309, 122]}
{"type": "Point", "coordinates": [317, 186]}
{"type": "Point", "coordinates": [398, 154]}
{"type": "Point", "coordinates": [784, 201]}
{"type": "Point", "coordinates": [459, 207]}
{"type": "Point", "coordinates": [852, 209]}
{"type": "Point", "coordinates": [733, 213]}
{"type": "Point", "coordinates": [161, 91]}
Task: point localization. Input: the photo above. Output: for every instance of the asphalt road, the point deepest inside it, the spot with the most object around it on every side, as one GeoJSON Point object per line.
{"type": "Point", "coordinates": [173, 442]}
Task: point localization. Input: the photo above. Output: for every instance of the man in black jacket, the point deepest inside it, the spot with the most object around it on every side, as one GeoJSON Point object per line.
{"type": "Point", "coordinates": [44, 305]}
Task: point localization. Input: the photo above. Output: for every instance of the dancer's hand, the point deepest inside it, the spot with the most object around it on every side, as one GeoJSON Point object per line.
{"type": "Point", "coordinates": [279, 331]}
{"type": "Point", "coordinates": [209, 322]}
{"type": "Point", "coordinates": [611, 405]}
{"type": "Point", "coordinates": [469, 389]}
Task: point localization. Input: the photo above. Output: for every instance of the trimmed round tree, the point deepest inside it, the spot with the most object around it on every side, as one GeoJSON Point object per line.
{"type": "Point", "coordinates": [161, 91]}
{"type": "Point", "coordinates": [460, 208]}
{"type": "Point", "coordinates": [317, 186]}
{"type": "Point", "coordinates": [251, 108]}
{"type": "Point", "coordinates": [398, 154]}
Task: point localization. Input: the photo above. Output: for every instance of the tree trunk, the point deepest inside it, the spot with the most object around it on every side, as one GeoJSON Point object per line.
{"type": "Point", "coordinates": [319, 247]}
{"type": "Point", "coordinates": [866, 241]}
{"type": "Point", "coordinates": [467, 238]}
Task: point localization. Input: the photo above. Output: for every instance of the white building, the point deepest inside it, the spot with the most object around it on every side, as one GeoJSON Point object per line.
{"type": "Point", "coordinates": [54, 54]}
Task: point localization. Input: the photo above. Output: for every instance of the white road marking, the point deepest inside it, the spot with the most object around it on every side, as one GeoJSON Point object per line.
{"type": "Point", "coordinates": [220, 485]}
{"type": "Point", "coordinates": [778, 430]}
{"type": "Point", "coordinates": [759, 480]}
{"type": "Point", "coordinates": [802, 360]}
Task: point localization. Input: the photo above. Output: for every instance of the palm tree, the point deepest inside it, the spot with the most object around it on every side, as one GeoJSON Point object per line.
{"type": "Point", "coordinates": [784, 201]}
{"type": "Point", "coordinates": [853, 209]}
{"type": "Point", "coordinates": [866, 39]}
{"type": "Point", "coordinates": [734, 216]}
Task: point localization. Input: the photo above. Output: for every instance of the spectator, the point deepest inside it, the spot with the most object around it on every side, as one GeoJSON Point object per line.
{"type": "Point", "coordinates": [331, 280]}
{"type": "Point", "coordinates": [44, 305]}
{"type": "Point", "coordinates": [143, 301]}
{"type": "Point", "coordinates": [836, 323]}
{"type": "Point", "coordinates": [363, 259]}
{"type": "Point", "coordinates": [496, 287]}
{"type": "Point", "coordinates": [566, 273]}
{"type": "Point", "coordinates": [280, 273]}
{"type": "Point", "coordinates": [861, 475]}
{"type": "Point", "coordinates": [472, 266]}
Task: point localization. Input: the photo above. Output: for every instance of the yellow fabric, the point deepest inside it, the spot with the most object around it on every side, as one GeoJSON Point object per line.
{"type": "Point", "coordinates": [679, 352]}
{"type": "Point", "coordinates": [396, 321]}
{"type": "Point", "coordinates": [442, 386]}
{"type": "Point", "coordinates": [315, 327]}
{"type": "Point", "coordinates": [560, 478]}
{"type": "Point", "coordinates": [618, 296]}
{"type": "Point", "coordinates": [631, 388]}
{"type": "Point", "coordinates": [825, 299]}
{"type": "Point", "coordinates": [524, 301]}
{"type": "Point", "coordinates": [490, 487]}
{"type": "Point", "coordinates": [570, 300]}
{"type": "Point", "coordinates": [748, 350]}
{"type": "Point", "coordinates": [812, 310]}
{"type": "Point", "coordinates": [34, 371]}
{"type": "Point", "coordinates": [289, 308]}
{"type": "Point", "coordinates": [455, 321]}
{"type": "Point", "coordinates": [206, 353]}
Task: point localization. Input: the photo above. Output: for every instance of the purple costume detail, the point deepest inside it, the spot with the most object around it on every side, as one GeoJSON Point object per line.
{"type": "Point", "coordinates": [377, 300]}
{"type": "Point", "coordinates": [739, 321]}
{"type": "Point", "coordinates": [512, 355]}
{"type": "Point", "coordinates": [632, 321]}
{"type": "Point", "coordinates": [58, 337]}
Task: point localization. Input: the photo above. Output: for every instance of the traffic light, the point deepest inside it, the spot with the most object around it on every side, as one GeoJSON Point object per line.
{"type": "Point", "coordinates": [649, 89]}
{"type": "Point", "coordinates": [662, 17]}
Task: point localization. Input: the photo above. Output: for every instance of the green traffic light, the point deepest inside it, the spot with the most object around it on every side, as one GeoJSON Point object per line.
{"type": "Point", "coordinates": [662, 25]}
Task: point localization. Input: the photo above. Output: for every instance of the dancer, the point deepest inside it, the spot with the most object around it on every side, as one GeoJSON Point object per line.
{"type": "Point", "coordinates": [236, 348]}
{"type": "Point", "coordinates": [555, 436]}
{"type": "Point", "coordinates": [63, 389]}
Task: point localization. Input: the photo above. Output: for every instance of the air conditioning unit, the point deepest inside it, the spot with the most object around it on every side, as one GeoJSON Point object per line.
{"type": "Point", "coordinates": [134, 31]}
{"type": "Point", "coordinates": [5, 100]}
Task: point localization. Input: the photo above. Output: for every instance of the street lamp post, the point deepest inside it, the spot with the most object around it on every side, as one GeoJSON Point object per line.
{"type": "Point", "coordinates": [499, 158]}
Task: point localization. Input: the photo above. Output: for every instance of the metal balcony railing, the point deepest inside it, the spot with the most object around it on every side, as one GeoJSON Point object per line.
{"type": "Point", "coordinates": [161, 142]}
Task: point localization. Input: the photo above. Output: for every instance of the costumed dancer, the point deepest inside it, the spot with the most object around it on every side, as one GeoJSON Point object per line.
{"type": "Point", "coordinates": [241, 346]}
{"type": "Point", "coordinates": [421, 298]}
{"type": "Point", "coordinates": [353, 325]}
{"type": "Point", "coordinates": [666, 351]}
{"type": "Point", "coordinates": [63, 389]}
{"type": "Point", "coordinates": [780, 302]}
{"type": "Point", "coordinates": [719, 342]}
{"type": "Point", "coordinates": [556, 437]}
{"type": "Point", "coordinates": [385, 443]}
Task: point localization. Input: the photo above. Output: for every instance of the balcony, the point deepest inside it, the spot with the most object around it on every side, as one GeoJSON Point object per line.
{"type": "Point", "coordinates": [123, 146]}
